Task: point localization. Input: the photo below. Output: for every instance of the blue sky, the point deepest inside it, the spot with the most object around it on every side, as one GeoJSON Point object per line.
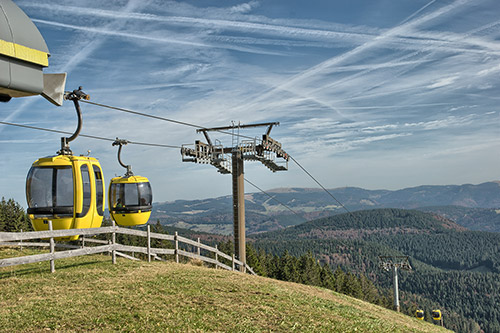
{"type": "Point", "coordinates": [375, 94]}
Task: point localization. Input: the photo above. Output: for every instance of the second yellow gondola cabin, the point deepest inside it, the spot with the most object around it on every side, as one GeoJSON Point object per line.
{"type": "Point", "coordinates": [130, 197]}
{"type": "Point", "coordinates": [419, 314]}
{"type": "Point", "coordinates": [436, 315]}
{"type": "Point", "coordinates": [130, 200]}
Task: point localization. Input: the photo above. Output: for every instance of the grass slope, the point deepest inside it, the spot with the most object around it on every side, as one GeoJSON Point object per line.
{"type": "Point", "coordinates": [89, 293]}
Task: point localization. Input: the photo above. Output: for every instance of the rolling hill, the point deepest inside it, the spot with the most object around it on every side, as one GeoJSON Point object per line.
{"type": "Point", "coordinates": [478, 219]}
{"type": "Point", "coordinates": [476, 207]}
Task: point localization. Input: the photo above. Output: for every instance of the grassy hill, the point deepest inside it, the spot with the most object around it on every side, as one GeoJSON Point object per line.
{"type": "Point", "coordinates": [89, 293]}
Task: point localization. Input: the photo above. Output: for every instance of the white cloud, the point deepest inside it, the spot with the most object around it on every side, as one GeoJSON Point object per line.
{"type": "Point", "coordinates": [489, 71]}
{"type": "Point", "coordinates": [381, 128]}
{"type": "Point", "coordinates": [443, 82]}
{"type": "Point", "coordinates": [447, 122]}
{"type": "Point", "coordinates": [244, 7]}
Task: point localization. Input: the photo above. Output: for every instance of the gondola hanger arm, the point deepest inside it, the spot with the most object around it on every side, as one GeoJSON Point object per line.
{"type": "Point", "coordinates": [121, 143]}
{"type": "Point", "coordinates": [75, 96]}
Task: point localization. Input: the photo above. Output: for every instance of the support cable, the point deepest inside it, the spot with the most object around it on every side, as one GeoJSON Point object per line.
{"type": "Point", "coordinates": [89, 136]}
{"type": "Point", "coordinates": [274, 198]}
{"type": "Point", "coordinates": [317, 182]}
{"type": "Point", "coordinates": [160, 118]}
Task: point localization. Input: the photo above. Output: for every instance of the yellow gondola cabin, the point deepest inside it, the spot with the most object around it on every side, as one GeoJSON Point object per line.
{"type": "Point", "coordinates": [130, 200]}
{"type": "Point", "coordinates": [419, 314]}
{"type": "Point", "coordinates": [65, 189]}
{"type": "Point", "coordinates": [68, 190]}
{"type": "Point", "coordinates": [130, 197]}
{"type": "Point", "coordinates": [436, 315]}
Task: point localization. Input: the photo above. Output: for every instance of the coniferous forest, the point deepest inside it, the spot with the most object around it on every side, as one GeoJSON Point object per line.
{"type": "Point", "coordinates": [13, 217]}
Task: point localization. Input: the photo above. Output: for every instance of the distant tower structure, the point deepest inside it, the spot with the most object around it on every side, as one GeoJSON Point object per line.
{"type": "Point", "coordinates": [393, 263]}
{"type": "Point", "coordinates": [229, 160]}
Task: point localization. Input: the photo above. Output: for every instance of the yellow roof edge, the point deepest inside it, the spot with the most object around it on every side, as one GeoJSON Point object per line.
{"type": "Point", "coordinates": [24, 53]}
{"type": "Point", "coordinates": [131, 180]}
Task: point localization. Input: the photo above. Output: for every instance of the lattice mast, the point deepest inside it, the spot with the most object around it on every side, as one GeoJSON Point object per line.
{"type": "Point", "coordinates": [393, 263]}
{"type": "Point", "coordinates": [230, 160]}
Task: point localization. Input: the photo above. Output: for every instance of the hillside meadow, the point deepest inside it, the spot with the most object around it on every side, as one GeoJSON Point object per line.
{"type": "Point", "coordinates": [89, 293]}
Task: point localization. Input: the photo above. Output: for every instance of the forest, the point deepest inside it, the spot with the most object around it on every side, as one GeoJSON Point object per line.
{"type": "Point", "coordinates": [12, 216]}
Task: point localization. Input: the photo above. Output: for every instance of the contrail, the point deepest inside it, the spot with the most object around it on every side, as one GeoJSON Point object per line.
{"type": "Point", "coordinates": [417, 12]}
{"type": "Point", "coordinates": [320, 68]}
{"type": "Point", "coordinates": [109, 32]}
{"type": "Point", "coordinates": [275, 29]}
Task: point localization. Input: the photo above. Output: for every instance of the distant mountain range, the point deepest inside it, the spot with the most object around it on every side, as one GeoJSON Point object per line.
{"type": "Point", "coordinates": [474, 206]}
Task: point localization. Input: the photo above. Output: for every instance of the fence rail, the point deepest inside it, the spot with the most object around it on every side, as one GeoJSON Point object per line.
{"type": "Point", "coordinates": [19, 239]}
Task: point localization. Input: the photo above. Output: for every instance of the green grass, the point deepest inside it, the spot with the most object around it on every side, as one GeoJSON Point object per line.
{"type": "Point", "coordinates": [90, 294]}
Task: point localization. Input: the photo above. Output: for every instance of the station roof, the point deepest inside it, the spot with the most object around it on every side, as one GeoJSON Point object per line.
{"type": "Point", "coordinates": [19, 37]}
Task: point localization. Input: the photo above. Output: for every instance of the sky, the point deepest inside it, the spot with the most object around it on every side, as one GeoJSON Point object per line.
{"type": "Point", "coordinates": [378, 94]}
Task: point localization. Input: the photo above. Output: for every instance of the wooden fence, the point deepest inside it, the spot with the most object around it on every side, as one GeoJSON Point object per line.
{"type": "Point", "coordinates": [19, 239]}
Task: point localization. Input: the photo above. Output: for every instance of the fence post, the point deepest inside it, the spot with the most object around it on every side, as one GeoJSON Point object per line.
{"type": "Point", "coordinates": [216, 256]}
{"type": "Point", "coordinates": [52, 250]}
{"type": "Point", "coordinates": [83, 242]}
{"type": "Point", "coordinates": [21, 241]}
{"type": "Point", "coordinates": [149, 243]}
{"type": "Point", "coordinates": [113, 242]}
{"type": "Point", "coordinates": [233, 261]}
{"type": "Point", "coordinates": [199, 250]}
{"type": "Point", "coordinates": [176, 247]}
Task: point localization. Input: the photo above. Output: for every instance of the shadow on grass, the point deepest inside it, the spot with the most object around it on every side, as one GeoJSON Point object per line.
{"type": "Point", "coordinates": [44, 267]}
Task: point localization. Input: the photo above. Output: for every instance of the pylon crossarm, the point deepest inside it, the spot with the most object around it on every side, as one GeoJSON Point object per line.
{"type": "Point", "coordinates": [269, 144]}
{"type": "Point", "coordinates": [388, 262]}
